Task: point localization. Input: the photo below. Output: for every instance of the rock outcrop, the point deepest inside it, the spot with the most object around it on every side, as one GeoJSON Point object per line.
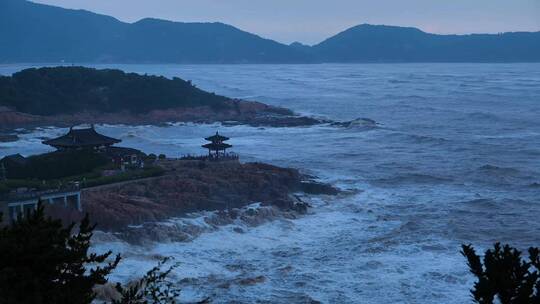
{"type": "Point", "coordinates": [238, 112]}
{"type": "Point", "coordinates": [192, 186]}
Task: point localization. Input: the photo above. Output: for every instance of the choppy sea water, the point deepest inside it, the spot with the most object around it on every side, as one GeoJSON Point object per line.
{"type": "Point", "coordinates": [455, 158]}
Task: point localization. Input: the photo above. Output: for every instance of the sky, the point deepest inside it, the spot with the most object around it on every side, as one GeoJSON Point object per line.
{"type": "Point", "coordinates": [311, 21]}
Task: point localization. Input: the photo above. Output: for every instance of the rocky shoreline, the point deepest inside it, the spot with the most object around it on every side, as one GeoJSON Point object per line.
{"type": "Point", "coordinates": [197, 186]}
{"type": "Point", "coordinates": [238, 112]}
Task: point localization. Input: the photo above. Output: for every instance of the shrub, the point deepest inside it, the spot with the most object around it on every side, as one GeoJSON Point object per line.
{"type": "Point", "coordinates": [504, 275]}
{"type": "Point", "coordinates": [43, 262]}
{"type": "Point", "coordinates": [125, 176]}
{"type": "Point", "coordinates": [162, 156]}
{"type": "Point", "coordinates": [57, 164]}
{"type": "Point", "coordinates": [152, 288]}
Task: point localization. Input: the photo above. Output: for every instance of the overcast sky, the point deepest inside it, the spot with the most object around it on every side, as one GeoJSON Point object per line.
{"type": "Point", "coordinates": [311, 21]}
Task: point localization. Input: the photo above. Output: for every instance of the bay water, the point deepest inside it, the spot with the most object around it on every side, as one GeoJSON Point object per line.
{"type": "Point", "coordinates": [453, 158]}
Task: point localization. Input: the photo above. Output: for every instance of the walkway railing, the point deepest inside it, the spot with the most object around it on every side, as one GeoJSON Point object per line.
{"type": "Point", "coordinates": [37, 194]}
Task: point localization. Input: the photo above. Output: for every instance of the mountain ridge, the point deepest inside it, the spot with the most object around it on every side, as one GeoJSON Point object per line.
{"type": "Point", "coordinates": [43, 33]}
{"type": "Point", "coordinates": [383, 43]}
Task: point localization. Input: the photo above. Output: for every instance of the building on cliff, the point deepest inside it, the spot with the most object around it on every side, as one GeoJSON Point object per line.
{"type": "Point", "coordinates": [217, 148]}
{"type": "Point", "coordinates": [89, 139]}
{"type": "Point", "coordinates": [86, 138]}
{"type": "Point", "coordinates": [24, 181]}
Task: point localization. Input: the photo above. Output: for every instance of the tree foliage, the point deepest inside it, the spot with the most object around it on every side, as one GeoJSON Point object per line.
{"type": "Point", "coordinates": [153, 288]}
{"type": "Point", "coordinates": [68, 90]}
{"type": "Point", "coordinates": [44, 262]}
{"type": "Point", "coordinates": [56, 164]}
{"type": "Point", "coordinates": [41, 261]}
{"type": "Point", "coordinates": [504, 276]}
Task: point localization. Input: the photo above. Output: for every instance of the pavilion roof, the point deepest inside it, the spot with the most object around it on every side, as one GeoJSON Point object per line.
{"type": "Point", "coordinates": [217, 146]}
{"type": "Point", "coordinates": [81, 138]}
{"type": "Point", "coordinates": [217, 137]}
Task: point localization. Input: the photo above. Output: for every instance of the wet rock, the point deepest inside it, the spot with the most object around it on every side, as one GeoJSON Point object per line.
{"type": "Point", "coordinates": [301, 208]}
{"type": "Point", "coordinates": [191, 281]}
{"type": "Point", "coordinates": [233, 213]}
{"type": "Point", "coordinates": [238, 230]}
{"type": "Point", "coordinates": [8, 137]}
{"type": "Point", "coordinates": [222, 218]}
{"type": "Point", "coordinates": [240, 112]}
{"type": "Point", "coordinates": [284, 204]}
{"type": "Point", "coordinates": [252, 281]}
{"type": "Point", "coordinates": [185, 188]}
{"type": "Point", "coordinates": [356, 123]}
{"type": "Point", "coordinates": [157, 232]}
{"type": "Point", "coordinates": [316, 188]}
{"type": "Point", "coordinates": [256, 217]}
{"type": "Point", "coordinates": [251, 212]}
{"type": "Point", "coordinates": [286, 269]}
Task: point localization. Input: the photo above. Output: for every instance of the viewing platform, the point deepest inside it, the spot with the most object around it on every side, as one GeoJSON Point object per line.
{"type": "Point", "coordinates": [16, 204]}
{"type": "Point", "coordinates": [217, 150]}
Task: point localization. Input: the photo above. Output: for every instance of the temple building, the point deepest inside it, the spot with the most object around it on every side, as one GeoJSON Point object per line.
{"type": "Point", "coordinates": [89, 139]}
{"type": "Point", "coordinates": [217, 148]}
{"type": "Point", "coordinates": [77, 139]}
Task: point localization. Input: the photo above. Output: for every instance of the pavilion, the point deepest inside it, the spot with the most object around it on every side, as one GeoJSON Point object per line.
{"type": "Point", "coordinates": [77, 139]}
{"type": "Point", "coordinates": [217, 147]}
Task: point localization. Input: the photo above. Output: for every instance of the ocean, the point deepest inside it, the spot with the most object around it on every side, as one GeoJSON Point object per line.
{"type": "Point", "coordinates": [454, 158]}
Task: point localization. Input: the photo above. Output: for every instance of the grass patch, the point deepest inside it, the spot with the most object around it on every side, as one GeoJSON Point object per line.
{"type": "Point", "coordinates": [91, 179]}
{"type": "Point", "coordinates": [124, 176]}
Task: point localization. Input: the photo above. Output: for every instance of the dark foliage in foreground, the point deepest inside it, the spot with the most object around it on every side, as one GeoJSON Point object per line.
{"type": "Point", "coordinates": [152, 288]}
{"type": "Point", "coordinates": [503, 276]}
{"type": "Point", "coordinates": [43, 262]}
{"type": "Point", "coordinates": [68, 90]}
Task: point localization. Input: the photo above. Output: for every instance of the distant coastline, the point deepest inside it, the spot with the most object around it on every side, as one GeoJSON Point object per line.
{"type": "Point", "coordinates": [96, 38]}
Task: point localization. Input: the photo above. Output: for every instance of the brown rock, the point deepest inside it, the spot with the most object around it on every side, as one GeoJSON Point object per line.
{"type": "Point", "coordinates": [186, 188]}
{"type": "Point", "coordinates": [252, 281]}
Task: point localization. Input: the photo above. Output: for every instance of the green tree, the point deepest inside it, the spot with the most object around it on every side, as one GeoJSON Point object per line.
{"type": "Point", "coordinates": [504, 276]}
{"type": "Point", "coordinates": [152, 157]}
{"type": "Point", "coordinates": [41, 261]}
{"type": "Point", "coordinates": [153, 288]}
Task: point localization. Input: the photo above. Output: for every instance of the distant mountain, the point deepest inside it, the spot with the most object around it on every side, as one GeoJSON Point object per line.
{"type": "Point", "coordinates": [379, 43]}
{"type": "Point", "coordinates": [31, 32]}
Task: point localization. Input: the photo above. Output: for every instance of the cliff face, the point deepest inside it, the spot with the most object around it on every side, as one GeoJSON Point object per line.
{"type": "Point", "coordinates": [191, 186]}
